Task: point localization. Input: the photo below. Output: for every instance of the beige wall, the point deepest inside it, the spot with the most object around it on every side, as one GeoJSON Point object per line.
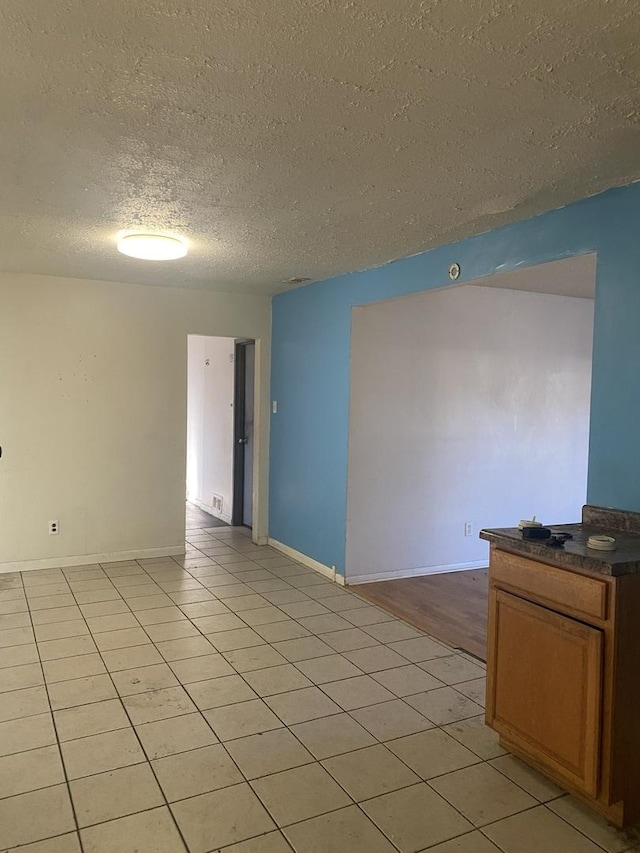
{"type": "Point", "coordinates": [93, 397]}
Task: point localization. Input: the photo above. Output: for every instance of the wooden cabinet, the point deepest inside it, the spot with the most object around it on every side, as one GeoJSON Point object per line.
{"type": "Point", "coordinates": [562, 682]}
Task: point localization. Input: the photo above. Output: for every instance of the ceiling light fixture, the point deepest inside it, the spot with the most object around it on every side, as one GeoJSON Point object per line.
{"type": "Point", "coordinates": [152, 247]}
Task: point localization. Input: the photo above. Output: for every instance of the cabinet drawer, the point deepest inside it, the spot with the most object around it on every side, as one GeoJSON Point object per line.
{"type": "Point", "coordinates": [569, 591]}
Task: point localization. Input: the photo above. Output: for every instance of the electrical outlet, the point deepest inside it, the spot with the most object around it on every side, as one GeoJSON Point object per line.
{"type": "Point", "coordinates": [54, 528]}
{"type": "Point", "coordinates": [216, 502]}
{"type": "Point", "coordinates": [468, 528]}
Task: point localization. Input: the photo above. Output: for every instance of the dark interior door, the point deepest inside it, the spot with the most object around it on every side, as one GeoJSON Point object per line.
{"type": "Point", "coordinates": [243, 433]}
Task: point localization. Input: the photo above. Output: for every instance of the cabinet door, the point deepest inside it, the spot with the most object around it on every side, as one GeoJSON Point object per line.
{"type": "Point", "coordinates": [544, 691]}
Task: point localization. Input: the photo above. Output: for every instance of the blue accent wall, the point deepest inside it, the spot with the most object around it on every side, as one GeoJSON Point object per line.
{"type": "Point", "coordinates": [311, 358]}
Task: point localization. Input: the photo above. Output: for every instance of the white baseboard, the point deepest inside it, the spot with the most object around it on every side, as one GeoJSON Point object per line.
{"type": "Point", "coordinates": [90, 559]}
{"type": "Point", "coordinates": [412, 573]}
{"type": "Point", "coordinates": [223, 516]}
{"type": "Point", "coordinates": [299, 557]}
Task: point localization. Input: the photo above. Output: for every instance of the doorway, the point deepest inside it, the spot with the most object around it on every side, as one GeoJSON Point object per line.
{"type": "Point", "coordinates": [220, 431]}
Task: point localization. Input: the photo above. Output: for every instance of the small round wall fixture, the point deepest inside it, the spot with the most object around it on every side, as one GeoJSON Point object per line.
{"type": "Point", "coordinates": [454, 272]}
{"type": "Point", "coordinates": [152, 247]}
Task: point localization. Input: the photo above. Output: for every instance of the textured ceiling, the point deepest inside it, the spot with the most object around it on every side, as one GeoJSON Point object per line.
{"type": "Point", "coordinates": [289, 138]}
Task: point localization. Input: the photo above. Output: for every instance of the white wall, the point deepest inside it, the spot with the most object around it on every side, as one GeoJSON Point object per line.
{"type": "Point", "coordinates": [93, 398]}
{"type": "Point", "coordinates": [467, 404]}
{"type": "Point", "coordinates": [210, 423]}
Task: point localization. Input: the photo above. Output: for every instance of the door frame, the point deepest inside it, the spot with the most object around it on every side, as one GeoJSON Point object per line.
{"type": "Point", "coordinates": [239, 388]}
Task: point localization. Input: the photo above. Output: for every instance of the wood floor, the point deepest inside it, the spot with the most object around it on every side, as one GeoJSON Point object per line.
{"type": "Point", "coordinates": [451, 607]}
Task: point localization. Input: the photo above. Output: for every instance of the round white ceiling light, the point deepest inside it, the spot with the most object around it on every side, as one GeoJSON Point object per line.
{"type": "Point", "coordinates": [153, 247]}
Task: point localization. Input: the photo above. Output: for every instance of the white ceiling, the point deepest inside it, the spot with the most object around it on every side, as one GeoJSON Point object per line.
{"type": "Point", "coordinates": [289, 138]}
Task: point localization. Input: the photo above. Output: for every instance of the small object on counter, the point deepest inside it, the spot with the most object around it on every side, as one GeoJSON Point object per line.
{"type": "Point", "coordinates": [602, 543]}
{"type": "Point", "coordinates": [556, 542]}
{"type": "Point", "coordinates": [536, 532]}
{"type": "Point", "coordinates": [529, 523]}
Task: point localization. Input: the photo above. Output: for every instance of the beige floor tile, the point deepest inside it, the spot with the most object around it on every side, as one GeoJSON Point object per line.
{"type": "Point", "coordinates": [242, 719]}
{"type": "Point", "coordinates": [201, 668]}
{"type": "Point", "coordinates": [176, 734]}
{"type": "Point", "coordinates": [177, 630]}
{"type": "Point", "coordinates": [247, 601]}
{"type": "Point", "coordinates": [68, 669]}
{"type": "Point", "coordinates": [198, 771]}
{"type": "Point", "coordinates": [54, 649]}
{"type": "Point", "coordinates": [325, 624]}
{"type": "Point", "coordinates": [61, 630]}
{"type": "Point", "coordinates": [132, 658]}
{"type": "Point", "coordinates": [144, 589]}
{"type": "Point", "coordinates": [472, 842]}
{"type": "Point", "coordinates": [276, 679]}
{"type": "Point", "coordinates": [188, 647]}
{"type": "Point", "coordinates": [263, 616]}
{"type": "Point", "coordinates": [52, 602]}
{"type": "Point", "coordinates": [343, 830]}
{"type": "Point", "coordinates": [357, 692]}
{"type": "Point", "coordinates": [391, 720]}
{"type": "Point", "coordinates": [48, 589]}
{"type": "Point", "coordinates": [203, 608]}
{"type": "Point", "coordinates": [147, 831]}
{"type": "Point", "coordinates": [91, 584]}
{"type": "Point", "coordinates": [28, 771]}
{"type": "Point", "coordinates": [349, 640]}
{"type": "Point", "coordinates": [599, 830]}
{"type": "Point", "coordinates": [216, 692]}
{"type": "Point", "coordinates": [23, 703]}
{"type": "Point", "coordinates": [360, 614]}
{"type": "Point", "coordinates": [421, 649]}
{"type": "Point", "coordinates": [220, 818]}
{"type": "Point", "coordinates": [534, 783]}
{"type": "Point", "coordinates": [18, 677]}
{"type": "Point", "coordinates": [158, 705]}
{"type": "Point", "coordinates": [256, 657]}
{"type": "Point", "coordinates": [81, 691]}
{"type": "Point", "coordinates": [16, 636]}
{"type": "Point", "coordinates": [271, 842]}
{"type": "Point", "coordinates": [482, 794]}
{"type": "Point", "coordinates": [16, 620]}
{"type": "Point", "coordinates": [115, 622]}
{"type": "Point", "coordinates": [27, 733]}
{"type": "Point", "coordinates": [303, 649]}
{"type": "Point", "coordinates": [268, 752]}
{"type": "Point", "coordinates": [276, 632]}
{"type": "Point", "coordinates": [99, 753]}
{"type": "Point", "coordinates": [114, 794]}
{"type": "Point", "coordinates": [160, 616]}
{"type": "Point", "coordinates": [97, 596]}
{"type": "Point", "coordinates": [149, 602]}
{"type": "Point", "coordinates": [432, 753]}
{"type": "Point", "coordinates": [143, 679]}
{"type": "Point", "coordinates": [297, 706]}
{"type": "Point", "coordinates": [330, 668]}
{"type": "Point", "coordinates": [69, 843]}
{"type": "Point", "coordinates": [407, 680]}
{"type": "Point", "coordinates": [108, 641]}
{"type": "Point", "coordinates": [444, 705]}
{"type": "Point", "coordinates": [215, 624]}
{"type": "Point", "coordinates": [477, 737]}
{"type": "Point", "coordinates": [370, 772]}
{"type": "Point", "coordinates": [392, 632]}
{"type": "Point", "coordinates": [238, 639]}
{"type": "Point", "coordinates": [300, 793]}
{"type": "Point", "coordinates": [331, 736]}
{"type": "Point", "coordinates": [474, 690]}
{"type": "Point", "coordinates": [538, 830]}
{"type": "Point", "coordinates": [104, 608]}
{"type": "Point", "coordinates": [453, 669]}
{"type": "Point", "coordinates": [35, 816]}
{"type": "Point", "coordinates": [286, 596]}
{"type": "Point", "coordinates": [52, 615]}
{"type": "Point", "coordinates": [93, 719]}
{"type": "Point", "coordinates": [301, 609]}
{"type": "Point", "coordinates": [415, 818]}
{"type": "Point", "coordinates": [18, 655]}
{"type": "Point", "coordinates": [375, 658]}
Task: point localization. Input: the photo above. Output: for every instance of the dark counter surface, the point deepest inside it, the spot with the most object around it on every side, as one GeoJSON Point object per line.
{"type": "Point", "coordinates": [624, 560]}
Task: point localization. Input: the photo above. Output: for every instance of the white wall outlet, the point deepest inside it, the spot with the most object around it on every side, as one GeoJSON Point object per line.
{"type": "Point", "coordinates": [468, 528]}
{"type": "Point", "coordinates": [274, 407]}
{"type": "Point", "coordinates": [54, 528]}
{"type": "Point", "coordinates": [216, 502]}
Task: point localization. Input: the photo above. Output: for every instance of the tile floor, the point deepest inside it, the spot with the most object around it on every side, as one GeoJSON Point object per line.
{"type": "Point", "coordinates": [234, 700]}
